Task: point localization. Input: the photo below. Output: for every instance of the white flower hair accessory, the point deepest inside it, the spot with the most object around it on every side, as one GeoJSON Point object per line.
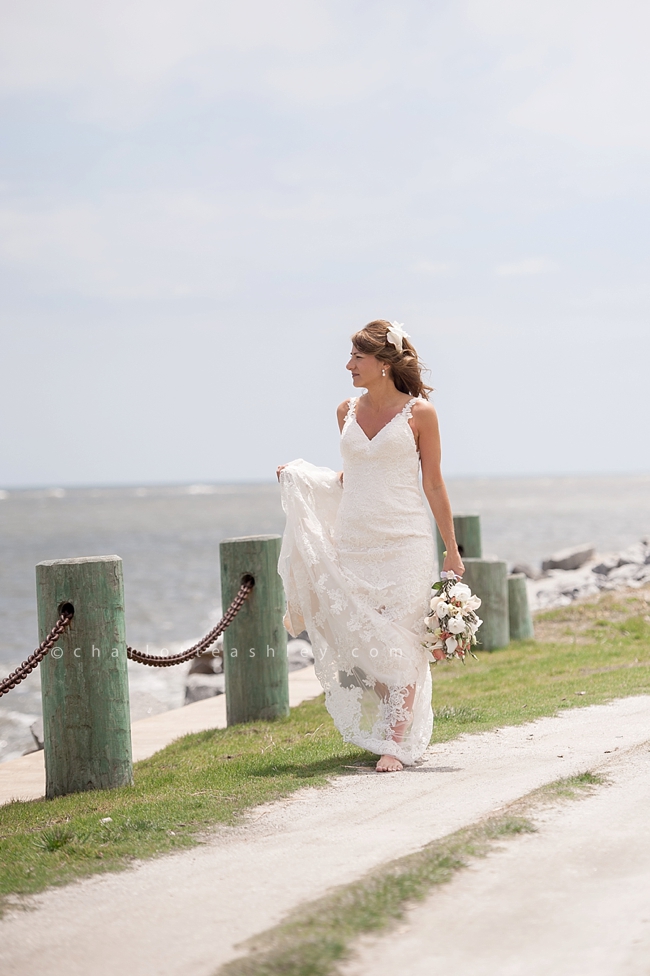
{"type": "Point", "coordinates": [395, 335]}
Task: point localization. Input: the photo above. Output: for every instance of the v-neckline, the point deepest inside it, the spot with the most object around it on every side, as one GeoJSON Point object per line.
{"type": "Point", "coordinates": [398, 414]}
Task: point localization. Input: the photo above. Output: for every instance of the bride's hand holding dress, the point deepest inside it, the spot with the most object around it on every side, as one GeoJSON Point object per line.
{"type": "Point", "coordinates": [339, 474]}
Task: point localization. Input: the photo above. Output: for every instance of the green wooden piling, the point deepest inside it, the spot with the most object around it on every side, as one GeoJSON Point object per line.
{"type": "Point", "coordinates": [255, 643]}
{"type": "Point", "coordinates": [521, 622]}
{"type": "Point", "coordinates": [488, 579]}
{"type": "Point", "coordinates": [84, 683]}
{"type": "Point", "coordinates": [467, 529]}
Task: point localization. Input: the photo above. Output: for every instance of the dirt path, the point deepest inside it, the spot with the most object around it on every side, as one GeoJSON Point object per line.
{"type": "Point", "coordinates": [571, 900]}
{"type": "Point", "coordinates": [185, 913]}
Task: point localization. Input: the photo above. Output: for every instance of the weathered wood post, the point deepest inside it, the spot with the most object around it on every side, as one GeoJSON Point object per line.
{"type": "Point", "coordinates": [255, 643]}
{"type": "Point", "coordinates": [488, 579]}
{"type": "Point", "coordinates": [467, 529]}
{"type": "Point", "coordinates": [84, 683]}
{"type": "Point", "coordinates": [521, 622]}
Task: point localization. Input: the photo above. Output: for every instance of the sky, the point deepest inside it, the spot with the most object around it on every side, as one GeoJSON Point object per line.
{"type": "Point", "coordinates": [200, 202]}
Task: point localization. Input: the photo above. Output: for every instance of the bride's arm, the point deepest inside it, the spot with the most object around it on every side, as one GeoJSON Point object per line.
{"type": "Point", "coordinates": [341, 414]}
{"type": "Point", "coordinates": [425, 420]}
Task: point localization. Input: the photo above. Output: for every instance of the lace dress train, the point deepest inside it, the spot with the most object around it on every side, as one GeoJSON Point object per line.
{"type": "Point", "coordinates": [357, 562]}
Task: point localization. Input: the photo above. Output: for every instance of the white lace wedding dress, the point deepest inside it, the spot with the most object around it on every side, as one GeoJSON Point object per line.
{"type": "Point", "coordinates": [357, 563]}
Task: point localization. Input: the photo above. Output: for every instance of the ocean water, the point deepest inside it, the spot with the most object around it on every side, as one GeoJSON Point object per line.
{"type": "Point", "coordinates": [168, 538]}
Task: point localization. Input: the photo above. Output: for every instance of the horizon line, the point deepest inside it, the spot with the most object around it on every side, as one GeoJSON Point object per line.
{"type": "Point", "coordinates": [252, 482]}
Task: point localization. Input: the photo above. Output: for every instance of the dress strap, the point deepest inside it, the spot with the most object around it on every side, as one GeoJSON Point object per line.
{"type": "Point", "coordinates": [352, 408]}
{"type": "Point", "coordinates": [408, 406]}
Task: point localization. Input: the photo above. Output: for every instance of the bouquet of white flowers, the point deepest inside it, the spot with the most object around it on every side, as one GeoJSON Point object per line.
{"type": "Point", "coordinates": [452, 621]}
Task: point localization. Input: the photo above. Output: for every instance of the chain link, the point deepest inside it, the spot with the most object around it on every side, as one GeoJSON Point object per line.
{"type": "Point", "coordinates": [35, 659]}
{"type": "Point", "coordinates": [205, 643]}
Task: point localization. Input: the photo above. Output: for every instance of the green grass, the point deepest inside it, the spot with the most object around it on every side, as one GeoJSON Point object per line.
{"type": "Point", "coordinates": [597, 653]}
{"type": "Point", "coordinates": [197, 782]}
{"type": "Point", "coordinates": [312, 940]}
{"type": "Point", "coordinates": [210, 778]}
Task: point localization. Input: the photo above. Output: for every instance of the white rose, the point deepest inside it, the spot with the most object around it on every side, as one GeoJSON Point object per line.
{"type": "Point", "coordinates": [460, 592]}
{"type": "Point", "coordinates": [451, 644]}
{"type": "Point", "coordinates": [473, 627]}
{"type": "Point", "coordinates": [456, 625]}
{"type": "Point", "coordinates": [443, 610]}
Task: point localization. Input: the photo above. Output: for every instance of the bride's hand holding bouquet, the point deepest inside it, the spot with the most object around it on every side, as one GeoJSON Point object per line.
{"type": "Point", "coordinates": [452, 622]}
{"type": "Point", "coordinates": [453, 563]}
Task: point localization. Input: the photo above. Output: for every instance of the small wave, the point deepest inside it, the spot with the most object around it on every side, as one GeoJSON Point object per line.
{"type": "Point", "coordinates": [201, 490]}
{"type": "Point", "coordinates": [20, 718]}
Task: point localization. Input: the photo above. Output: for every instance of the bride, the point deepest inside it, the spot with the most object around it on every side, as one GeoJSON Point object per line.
{"type": "Point", "coordinates": [357, 555]}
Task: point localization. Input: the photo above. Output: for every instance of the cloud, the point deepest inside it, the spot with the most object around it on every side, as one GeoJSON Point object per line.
{"type": "Point", "coordinates": [113, 60]}
{"type": "Point", "coordinates": [298, 167]}
{"type": "Point", "coordinates": [125, 246]}
{"type": "Point", "coordinates": [434, 267]}
{"type": "Point", "coordinates": [45, 45]}
{"type": "Point", "coordinates": [527, 266]}
{"type": "Point", "coordinates": [582, 67]}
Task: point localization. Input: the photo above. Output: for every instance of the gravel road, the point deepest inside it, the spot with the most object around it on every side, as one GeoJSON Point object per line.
{"type": "Point", "coordinates": [186, 913]}
{"type": "Point", "coordinates": [571, 900]}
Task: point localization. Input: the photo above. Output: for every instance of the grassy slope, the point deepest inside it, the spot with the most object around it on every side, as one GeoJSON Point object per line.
{"type": "Point", "coordinates": [196, 782]}
{"type": "Point", "coordinates": [601, 648]}
{"type": "Point", "coordinates": [210, 778]}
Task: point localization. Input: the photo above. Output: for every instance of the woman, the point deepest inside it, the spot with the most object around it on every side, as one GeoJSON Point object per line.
{"type": "Point", "coordinates": [357, 556]}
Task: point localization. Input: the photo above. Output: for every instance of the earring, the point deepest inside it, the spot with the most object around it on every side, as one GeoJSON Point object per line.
{"type": "Point", "coordinates": [383, 372]}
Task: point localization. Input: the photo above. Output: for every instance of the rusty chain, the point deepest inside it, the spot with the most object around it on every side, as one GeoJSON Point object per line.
{"type": "Point", "coordinates": [204, 644]}
{"type": "Point", "coordinates": [35, 659]}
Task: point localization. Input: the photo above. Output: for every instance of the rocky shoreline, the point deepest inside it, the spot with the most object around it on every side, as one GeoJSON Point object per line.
{"type": "Point", "coordinates": [206, 679]}
{"type": "Point", "coordinates": [580, 572]}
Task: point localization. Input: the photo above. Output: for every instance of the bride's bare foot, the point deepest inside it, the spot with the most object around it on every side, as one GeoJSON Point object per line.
{"type": "Point", "coordinates": [388, 764]}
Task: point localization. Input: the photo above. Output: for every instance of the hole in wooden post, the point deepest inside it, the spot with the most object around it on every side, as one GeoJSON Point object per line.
{"type": "Point", "coordinates": [66, 608]}
{"type": "Point", "coordinates": [247, 578]}
{"type": "Point", "coordinates": [461, 549]}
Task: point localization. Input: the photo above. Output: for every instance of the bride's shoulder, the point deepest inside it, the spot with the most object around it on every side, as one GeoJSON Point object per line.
{"type": "Point", "coordinates": [342, 412]}
{"type": "Point", "coordinates": [423, 411]}
{"type": "Point", "coordinates": [343, 408]}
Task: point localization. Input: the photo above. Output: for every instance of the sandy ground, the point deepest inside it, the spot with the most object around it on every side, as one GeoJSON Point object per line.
{"type": "Point", "coordinates": [571, 900]}
{"type": "Point", "coordinates": [186, 913]}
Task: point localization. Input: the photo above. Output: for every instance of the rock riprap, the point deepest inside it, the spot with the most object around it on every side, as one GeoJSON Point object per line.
{"type": "Point", "coordinates": [557, 586]}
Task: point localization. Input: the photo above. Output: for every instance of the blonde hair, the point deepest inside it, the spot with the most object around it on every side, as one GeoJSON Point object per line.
{"type": "Point", "coordinates": [406, 368]}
